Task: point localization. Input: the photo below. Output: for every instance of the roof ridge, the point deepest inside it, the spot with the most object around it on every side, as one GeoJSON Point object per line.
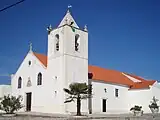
{"type": "Point", "coordinates": [106, 68]}
{"type": "Point", "coordinates": [40, 53]}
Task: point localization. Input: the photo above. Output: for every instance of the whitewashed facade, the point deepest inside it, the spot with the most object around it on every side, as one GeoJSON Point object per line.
{"type": "Point", "coordinates": [40, 79]}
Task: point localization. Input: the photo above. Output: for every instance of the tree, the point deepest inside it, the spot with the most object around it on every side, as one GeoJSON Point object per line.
{"type": "Point", "coordinates": [77, 91]}
{"type": "Point", "coordinates": [153, 106]}
{"type": "Point", "coordinates": [10, 104]}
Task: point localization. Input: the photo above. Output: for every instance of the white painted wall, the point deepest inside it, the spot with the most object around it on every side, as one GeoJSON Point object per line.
{"type": "Point", "coordinates": [143, 97]}
{"type": "Point", "coordinates": [38, 92]}
{"type": "Point", "coordinates": [114, 104]}
{"type": "Point", "coordinates": [67, 64]}
{"type": "Point", "coordinates": [76, 62]}
{"type": "Point", "coordinates": [140, 97]}
{"type": "Point", "coordinates": [55, 82]}
{"type": "Point", "coordinates": [126, 100]}
{"type": "Point", "coordinates": [155, 88]}
{"type": "Point", "coordinates": [55, 72]}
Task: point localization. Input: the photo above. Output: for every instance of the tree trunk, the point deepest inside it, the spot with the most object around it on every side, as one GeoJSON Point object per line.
{"type": "Point", "coordinates": [78, 106]}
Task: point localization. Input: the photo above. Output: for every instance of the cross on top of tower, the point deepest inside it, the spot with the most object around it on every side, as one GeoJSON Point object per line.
{"type": "Point", "coordinates": [30, 46]}
{"type": "Point", "coordinates": [69, 6]}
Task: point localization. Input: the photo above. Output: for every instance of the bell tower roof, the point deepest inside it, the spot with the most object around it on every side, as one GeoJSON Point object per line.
{"type": "Point", "coordinates": [68, 19]}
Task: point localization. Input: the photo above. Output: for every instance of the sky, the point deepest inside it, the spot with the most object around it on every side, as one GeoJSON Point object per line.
{"type": "Point", "coordinates": [124, 35]}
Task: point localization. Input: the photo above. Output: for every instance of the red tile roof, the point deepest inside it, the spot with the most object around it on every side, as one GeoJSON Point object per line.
{"type": "Point", "coordinates": [142, 85]}
{"type": "Point", "coordinates": [110, 76]}
{"type": "Point", "coordinates": [137, 77]}
{"type": "Point", "coordinates": [107, 75]}
{"type": "Point", "coordinates": [42, 58]}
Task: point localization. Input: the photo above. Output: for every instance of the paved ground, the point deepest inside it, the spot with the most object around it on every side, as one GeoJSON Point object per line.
{"type": "Point", "coordinates": [40, 116]}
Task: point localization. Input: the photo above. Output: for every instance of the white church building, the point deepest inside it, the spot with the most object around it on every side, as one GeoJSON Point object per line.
{"type": "Point", "coordinates": [40, 78]}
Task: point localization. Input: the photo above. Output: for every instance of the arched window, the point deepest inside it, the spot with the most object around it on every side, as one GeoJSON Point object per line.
{"type": "Point", "coordinates": [19, 82]}
{"type": "Point", "coordinates": [57, 42]}
{"type": "Point", "coordinates": [39, 79]}
{"type": "Point", "coordinates": [77, 42]}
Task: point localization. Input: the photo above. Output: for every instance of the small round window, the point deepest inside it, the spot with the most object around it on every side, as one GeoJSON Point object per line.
{"type": "Point", "coordinates": [29, 62]}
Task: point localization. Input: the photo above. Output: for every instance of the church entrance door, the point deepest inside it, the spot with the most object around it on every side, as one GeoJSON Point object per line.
{"type": "Point", "coordinates": [28, 101]}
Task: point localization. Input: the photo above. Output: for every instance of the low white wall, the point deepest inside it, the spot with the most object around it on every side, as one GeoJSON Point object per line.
{"type": "Point", "coordinates": [140, 97]}
{"type": "Point", "coordinates": [156, 92]}
{"type": "Point", "coordinates": [143, 97]}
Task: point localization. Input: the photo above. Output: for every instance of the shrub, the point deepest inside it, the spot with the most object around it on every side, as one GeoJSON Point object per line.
{"type": "Point", "coordinates": [10, 104]}
{"type": "Point", "coordinates": [136, 108]}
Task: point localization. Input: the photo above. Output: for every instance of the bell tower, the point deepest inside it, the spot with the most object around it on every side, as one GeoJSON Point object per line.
{"type": "Point", "coordinates": [68, 58]}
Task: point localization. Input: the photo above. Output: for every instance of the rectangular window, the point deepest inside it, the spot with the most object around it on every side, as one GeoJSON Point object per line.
{"type": "Point", "coordinates": [116, 92]}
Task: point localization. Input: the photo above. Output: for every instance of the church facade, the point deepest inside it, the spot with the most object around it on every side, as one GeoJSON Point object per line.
{"type": "Point", "coordinates": [40, 78]}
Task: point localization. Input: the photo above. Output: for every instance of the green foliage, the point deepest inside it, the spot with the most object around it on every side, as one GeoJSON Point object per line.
{"type": "Point", "coordinates": [154, 103]}
{"type": "Point", "coordinates": [136, 108]}
{"type": "Point", "coordinates": [77, 91]}
{"type": "Point", "coordinates": [10, 104]}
